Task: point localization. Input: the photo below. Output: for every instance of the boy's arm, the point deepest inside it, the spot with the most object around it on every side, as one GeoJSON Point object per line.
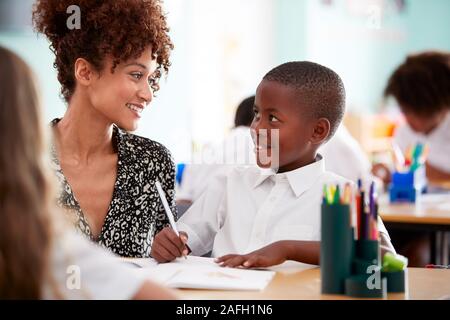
{"type": "Point", "coordinates": [205, 217]}
{"type": "Point", "coordinates": [275, 253]}
{"type": "Point", "coordinates": [197, 226]}
{"type": "Point", "coordinates": [385, 244]}
{"type": "Point", "coordinates": [385, 240]}
{"type": "Point", "coordinates": [304, 251]}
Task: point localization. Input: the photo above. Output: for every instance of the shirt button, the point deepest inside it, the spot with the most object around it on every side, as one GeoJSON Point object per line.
{"type": "Point", "coordinates": [273, 198]}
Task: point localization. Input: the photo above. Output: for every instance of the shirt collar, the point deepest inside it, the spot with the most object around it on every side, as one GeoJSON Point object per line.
{"type": "Point", "coordinates": [300, 179]}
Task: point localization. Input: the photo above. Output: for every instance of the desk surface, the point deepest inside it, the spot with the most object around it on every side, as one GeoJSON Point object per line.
{"type": "Point", "coordinates": [443, 184]}
{"type": "Point", "coordinates": [304, 284]}
{"type": "Point", "coordinates": [430, 209]}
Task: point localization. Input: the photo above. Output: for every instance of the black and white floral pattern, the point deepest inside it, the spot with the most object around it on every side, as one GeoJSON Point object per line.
{"type": "Point", "coordinates": [135, 213]}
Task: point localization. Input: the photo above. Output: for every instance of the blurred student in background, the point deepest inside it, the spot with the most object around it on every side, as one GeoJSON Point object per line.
{"type": "Point", "coordinates": [236, 149]}
{"type": "Point", "coordinates": [421, 87]}
{"type": "Point", "coordinates": [344, 156]}
{"type": "Point", "coordinates": [37, 248]}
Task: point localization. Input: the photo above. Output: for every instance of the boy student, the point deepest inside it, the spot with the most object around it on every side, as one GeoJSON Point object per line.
{"type": "Point", "coordinates": [273, 212]}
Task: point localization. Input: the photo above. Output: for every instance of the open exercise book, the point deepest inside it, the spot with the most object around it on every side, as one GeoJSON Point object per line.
{"type": "Point", "coordinates": [200, 273]}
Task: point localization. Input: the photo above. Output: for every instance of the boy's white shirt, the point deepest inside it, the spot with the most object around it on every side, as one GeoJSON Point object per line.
{"type": "Point", "coordinates": [343, 155]}
{"type": "Point", "coordinates": [248, 209]}
{"type": "Point", "coordinates": [438, 142]}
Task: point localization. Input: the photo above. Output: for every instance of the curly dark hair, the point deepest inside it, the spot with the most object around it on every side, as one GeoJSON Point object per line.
{"type": "Point", "coordinates": [244, 112]}
{"type": "Point", "coordinates": [121, 29]}
{"type": "Point", "coordinates": [321, 89]}
{"type": "Point", "coordinates": [421, 84]}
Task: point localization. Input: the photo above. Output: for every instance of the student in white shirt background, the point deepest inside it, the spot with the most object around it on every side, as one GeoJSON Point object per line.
{"type": "Point", "coordinates": [264, 216]}
{"type": "Point", "coordinates": [344, 156]}
{"type": "Point", "coordinates": [40, 256]}
{"type": "Point", "coordinates": [437, 142]}
{"type": "Point", "coordinates": [421, 87]}
{"type": "Point", "coordinates": [236, 149]}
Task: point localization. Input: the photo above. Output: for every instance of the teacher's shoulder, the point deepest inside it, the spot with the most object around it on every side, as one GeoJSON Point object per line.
{"type": "Point", "coordinates": [146, 148]}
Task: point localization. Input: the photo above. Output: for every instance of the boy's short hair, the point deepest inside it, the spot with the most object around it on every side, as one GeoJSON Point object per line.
{"type": "Point", "coordinates": [244, 112]}
{"type": "Point", "coordinates": [421, 84]}
{"type": "Point", "coordinates": [322, 90]}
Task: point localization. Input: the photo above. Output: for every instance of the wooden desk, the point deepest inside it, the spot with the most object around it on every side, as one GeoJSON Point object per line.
{"type": "Point", "coordinates": [443, 184]}
{"type": "Point", "coordinates": [415, 214]}
{"type": "Point", "coordinates": [431, 213]}
{"type": "Point", "coordinates": [304, 284]}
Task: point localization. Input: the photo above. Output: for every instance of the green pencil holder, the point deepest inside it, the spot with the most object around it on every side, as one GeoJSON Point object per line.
{"type": "Point", "coordinates": [396, 281]}
{"type": "Point", "coordinates": [361, 286]}
{"type": "Point", "coordinates": [368, 250]}
{"type": "Point", "coordinates": [360, 266]}
{"type": "Point", "coordinates": [336, 249]}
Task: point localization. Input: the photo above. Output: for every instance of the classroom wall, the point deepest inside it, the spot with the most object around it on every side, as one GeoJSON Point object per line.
{"type": "Point", "coordinates": [36, 53]}
{"type": "Point", "coordinates": [363, 40]}
{"type": "Point", "coordinates": [290, 30]}
{"type": "Point", "coordinates": [16, 34]}
{"type": "Point", "coordinates": [230, 49]}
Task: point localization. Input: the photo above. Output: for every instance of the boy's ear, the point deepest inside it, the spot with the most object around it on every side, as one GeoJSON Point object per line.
{"type": "Point", "coordinates": [321, 131]}
{"type": "Point", "coordinates": [84, 71]}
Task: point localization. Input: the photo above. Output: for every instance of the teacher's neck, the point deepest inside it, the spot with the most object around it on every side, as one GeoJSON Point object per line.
{"type": "Point", "coordinates": [83, 132]}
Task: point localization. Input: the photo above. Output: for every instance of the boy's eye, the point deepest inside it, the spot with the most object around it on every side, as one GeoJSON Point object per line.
{"type": "Point", "coordinates": [255, 113]}
{"type": "Point", "coordinates": [272, 118]}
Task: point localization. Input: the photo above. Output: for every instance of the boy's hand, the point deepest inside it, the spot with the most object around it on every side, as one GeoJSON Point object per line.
{"type": "Point", "coordinates": [267, 256]}
{"type": "Point", "coordinates": [167, 245]}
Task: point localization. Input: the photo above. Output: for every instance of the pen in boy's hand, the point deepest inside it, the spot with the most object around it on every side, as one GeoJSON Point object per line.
{"type": "Point", "coordinates": [183, 237]}
{"type": "Point", "coordinates": [167, 209]}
